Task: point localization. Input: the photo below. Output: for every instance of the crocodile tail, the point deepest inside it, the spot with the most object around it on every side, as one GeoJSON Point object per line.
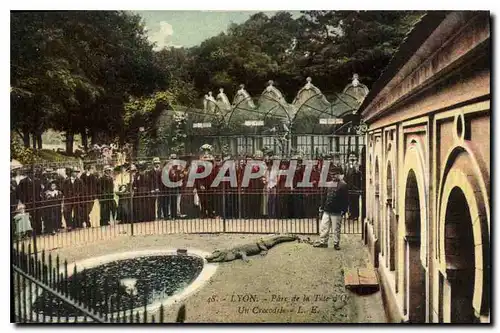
{"type": "Point", "coordinates": [288, 238]}
{"type": "Point", "coordinates": [283, 238]}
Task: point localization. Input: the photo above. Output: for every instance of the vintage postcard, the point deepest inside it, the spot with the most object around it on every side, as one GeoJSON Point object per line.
{"type": "Point", "coordinates": [250, 167]}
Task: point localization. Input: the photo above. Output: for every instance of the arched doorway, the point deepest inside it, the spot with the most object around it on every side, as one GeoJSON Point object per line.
{"type": "Point", "coordinates": [458, 289]}
{"type": "Point", "coordinates": [362, 169]}
{"type": "Point", "coordinates": [414, 274]}
{"type": "Point", "coordinates": [367, 197]}
{"type": "Point", "coordinates": [390, 222]}
{"type": "Point", "coordinates": [377, 200]}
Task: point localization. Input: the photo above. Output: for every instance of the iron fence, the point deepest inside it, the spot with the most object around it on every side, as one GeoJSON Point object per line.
{"type": "Point", "coordinates": [46, 291]}
{"type": "Point", "coordinates": [50, 210]}
{"type": "Point", "coordinates": [301, 217]}
{"type": "Point", "coordinates": [59, 210]}
{"type": "Point", "coordinates": [308, 146]}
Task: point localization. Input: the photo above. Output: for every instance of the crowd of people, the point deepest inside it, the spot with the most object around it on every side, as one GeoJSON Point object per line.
{"type": "Point", "coordinates": [135, 192]}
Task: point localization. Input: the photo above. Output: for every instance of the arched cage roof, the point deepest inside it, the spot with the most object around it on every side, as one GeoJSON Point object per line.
{"type": "Point", "coordinates": [309, 113]}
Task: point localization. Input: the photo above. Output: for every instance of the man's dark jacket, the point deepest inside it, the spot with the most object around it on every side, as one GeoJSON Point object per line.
{"type": "Point", "coordinates": [90, 186]}
{"type": "Point", "coordinates": [106, 188]}
{"type": "Point", "coordinates": [335, 199]}
{"type": "Point", "coordinates": [72, 191]}
{"type": "Point", "coordinates": [25, 192]}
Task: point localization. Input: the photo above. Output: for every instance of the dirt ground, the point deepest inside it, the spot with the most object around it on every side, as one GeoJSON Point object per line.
{"type": "Point", "coordinates": [293, 283]}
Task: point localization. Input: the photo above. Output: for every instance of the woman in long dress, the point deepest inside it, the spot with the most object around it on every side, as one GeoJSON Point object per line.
{"type": "Point", "coordinates": [13, 197]}
{"type": "Point", "coordinates": [189, 207]}
{"type": "Point", "coordinates": [53, 214]}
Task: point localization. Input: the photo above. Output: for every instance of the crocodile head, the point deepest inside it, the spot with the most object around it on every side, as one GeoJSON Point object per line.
{"type": "Point", "coordinates": [217, 255]}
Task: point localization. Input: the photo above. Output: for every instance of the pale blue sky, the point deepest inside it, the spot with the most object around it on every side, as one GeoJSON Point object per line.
{"type": "Point", "coordinates": [190, 28]}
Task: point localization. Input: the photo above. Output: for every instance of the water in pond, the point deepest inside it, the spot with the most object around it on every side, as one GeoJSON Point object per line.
{"type": "Point", "coordinates": [99, 287]}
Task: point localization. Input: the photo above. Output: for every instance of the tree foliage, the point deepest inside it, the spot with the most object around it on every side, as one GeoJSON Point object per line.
{"type": "Point", "coordinates": [327, 45]}
{"type": "Point", "coordinates": [72, 71]}
{"type": "Point", "coordinates": [332, 45]}
{"type": "Point", "coordinates": [95, 73]}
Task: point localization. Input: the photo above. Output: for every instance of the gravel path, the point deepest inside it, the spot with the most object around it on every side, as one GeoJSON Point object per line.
{"type": "Point", "coordinates": [293, 283]}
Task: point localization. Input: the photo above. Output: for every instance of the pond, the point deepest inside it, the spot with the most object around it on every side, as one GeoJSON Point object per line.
{"type": "Point", "coordinates": [124, 284]}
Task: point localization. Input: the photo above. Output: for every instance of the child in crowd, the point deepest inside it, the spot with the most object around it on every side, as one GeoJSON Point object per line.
{"type": "Point", "coordinates": [22, 222]}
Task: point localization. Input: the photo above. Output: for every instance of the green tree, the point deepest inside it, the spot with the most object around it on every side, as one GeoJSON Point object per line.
{"type": "Point", "coordinates": [73, 71]}
{"type": "Point", "coordinates": [249, 53]}
{"type": "Point", "coordinates": [95, 73]}
{"type": "Point", "coordinates": [332, 45]}
{"type": "Point", "coordinates": [174, 64]}
{"type": "Point", "coordinates": [44, 77]}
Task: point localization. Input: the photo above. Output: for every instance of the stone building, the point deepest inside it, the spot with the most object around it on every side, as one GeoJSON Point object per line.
{"type": "Point", "coordinates": [428, 201]}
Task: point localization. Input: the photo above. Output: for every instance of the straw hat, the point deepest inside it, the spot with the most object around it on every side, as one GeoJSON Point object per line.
{"type": "Point", "coordinates": [336, 170]}
{"type": "Point", "coordinates": [15, 164]}
{"type": "Point", "coordinates": [207, 157]}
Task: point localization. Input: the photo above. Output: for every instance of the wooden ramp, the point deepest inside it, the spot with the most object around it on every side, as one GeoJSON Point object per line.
{"type": "Point", "coordinates": [361, 280]}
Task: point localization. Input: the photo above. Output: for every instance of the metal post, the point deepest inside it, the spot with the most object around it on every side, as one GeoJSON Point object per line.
{"type": "Point", "coordinates": [239, 201]}
{"type": "Point", "coordinates": [131, 196]}
{"type": "Point", "coordinates": [360, 214]}
{"type": "Point", "coordinates": [290, 139]}
{"type": "Point", "coordinates": [317, 222]}
{"type": "Point", "coordinates": [223, 208]}
{"type": "Point", "coordinates": [35, 248]}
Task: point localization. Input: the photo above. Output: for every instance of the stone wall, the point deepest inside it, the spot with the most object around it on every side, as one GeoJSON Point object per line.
{"type": "Point", "coordinates": [428, 162]}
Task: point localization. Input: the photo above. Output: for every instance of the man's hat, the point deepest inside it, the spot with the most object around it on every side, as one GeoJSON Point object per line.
{"type": "Point", "coordinates": [329, 155]}
{"type": "Point", "coordinates": [156, 160]}
{"type": "Point", "coordinates": [207, 157]}
{"type": "Point", "coordinates": [108, 168]}
{"type": "Point", "coordinates": [337, 170]}
{"type": "Point", "coordinates": [173, 156]}
{"type": "Point", "coordinates": [20, 206]}
{"type": "Point", "coordinates": [71, 170]}
{"type": "Point", "coordinates": [87, 165]}
{"type": "Point", "coordinates": [259, 154]}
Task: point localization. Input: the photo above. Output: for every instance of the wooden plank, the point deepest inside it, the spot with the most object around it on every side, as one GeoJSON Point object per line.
{"type": "Point", "coordinates": [367, 277]}
{"type": "Point", "coordinates": [361, 280]}
{"type": "Point", "coordinates": [351, 278]}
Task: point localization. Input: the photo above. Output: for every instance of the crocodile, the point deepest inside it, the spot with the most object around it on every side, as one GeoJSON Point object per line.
{"type": "Point", "coordinates": [243, 251]}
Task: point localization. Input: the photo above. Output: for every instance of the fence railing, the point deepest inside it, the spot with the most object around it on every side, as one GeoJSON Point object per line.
{"type": "Point", "coordinates": [49, 225]}
{"type": "Point", "coordinates": [46, 292]}
{"type": "Point", "coordinates": [309, 145]}
{"type": "Point", "coordinates": [50, 211]}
